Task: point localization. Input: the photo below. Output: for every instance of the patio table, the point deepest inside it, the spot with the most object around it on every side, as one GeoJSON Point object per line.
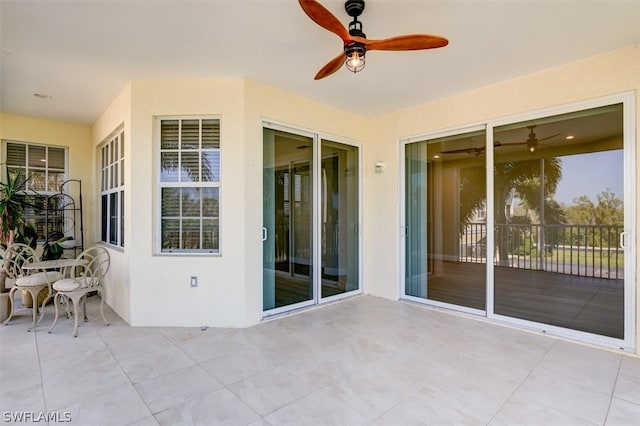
{"type": "Point", "coordinates": [44, 266]}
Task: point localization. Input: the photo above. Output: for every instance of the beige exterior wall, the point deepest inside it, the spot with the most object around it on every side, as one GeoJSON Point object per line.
{"type": "Point", "coordinates": [40, 131]}
{"type": "Point", "coordinates": [116, 116]}
{"type": "Point", "coordinates": [76, 138]}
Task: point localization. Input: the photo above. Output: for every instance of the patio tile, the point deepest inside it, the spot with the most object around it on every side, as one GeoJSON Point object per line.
{"type": "Point", "coordinates": [19, 399]}
{"type": "Point", "coordinates": [60, 345]}
{"type": "Point", "coordinates": [176, 387]}
{"type": "Point", "coordinates": [204, 345]}
{"type": "Point", "coordinates": [261, 422]}
{"type": "Point", "coordinates": [19, 374]}
{"type": "Point", "coordinates": [271, 390]}
{"type": "Point", "coordinates": [71, 384]}
{"type": "Point", "coordinates": [233, 367]}
{"type": "Point", "coordinates": [622, 413]}
{"type": "Point", "coordinates": [373, 389]}
{"type": "Point", "coordinates": [474, 387]}
{"type": "Point", "coordinates": [325, 366]}
{"type": "Point", "coordinates": [124, 349]}
{"type": "Point", "coordinates": [317, 408]}
{"type": "Point", "coordinates": [630, 366]}
{"type": "Point", "coordinates": [576, 363]}
{"type": "Point", "coordinates": [425, 407]}
{"type": "Point", "coordinates": [628, 388]}
{"type": "Point", "coordinates": [569, 397]}
{"type": "Point", "coordinates": [362, 360]}
{"type": "Point", "coordinates": [119, 406]}
{"type": "Point", "coordinates": [220, 407]}
{"type": "Point", "coordinates": [161, 361]}
{"type": "Point", "coordinates": [147, 421]}
{"type": "Point", "coordinates": [522, 412]}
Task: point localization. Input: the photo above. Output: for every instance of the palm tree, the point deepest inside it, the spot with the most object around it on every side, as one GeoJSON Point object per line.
{"type": "Point", "coordinates": [525, 177]}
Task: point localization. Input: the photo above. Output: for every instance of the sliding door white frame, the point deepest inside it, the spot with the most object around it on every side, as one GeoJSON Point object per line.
{"type": "Point", "coordinates": [630, 214]}
{"type": "Point", "coordinates": [316, 214]}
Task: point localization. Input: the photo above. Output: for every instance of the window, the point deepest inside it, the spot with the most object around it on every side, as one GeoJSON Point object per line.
{"type": "Point", "coordinates": [112, 189]}
{"type": "Point", "coordinates": [45, 169]}
{"type": "Point", "coordinates": [189, 185]}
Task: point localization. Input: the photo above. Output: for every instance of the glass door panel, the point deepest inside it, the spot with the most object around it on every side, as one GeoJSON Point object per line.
{"type": "Point", "coordinates": [339, 216]}
{"type": "Point", "coordinates": [445, 219]}
{"type": "Point", "coordinates": [559, 214]}
{"type": "Point", "coordinates": [287, 219]}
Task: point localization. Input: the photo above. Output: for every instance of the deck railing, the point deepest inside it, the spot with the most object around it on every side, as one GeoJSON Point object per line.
{"type": "Point", "coordinates": [582, 250]}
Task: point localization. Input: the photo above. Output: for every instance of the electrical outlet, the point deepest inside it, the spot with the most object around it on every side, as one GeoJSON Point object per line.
{"type": "Point", "coordinates": [194, 281]}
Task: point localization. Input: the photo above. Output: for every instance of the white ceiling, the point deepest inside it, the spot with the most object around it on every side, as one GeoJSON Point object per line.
{"type": "Point", "coordinates": [82, 52]}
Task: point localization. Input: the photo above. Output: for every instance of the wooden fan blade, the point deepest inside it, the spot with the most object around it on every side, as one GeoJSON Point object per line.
{"type": "Point", "coordinates": [405, 42]}
{"type": "Point", "coordinates": [332, 66]}
{"type": "Point", "coordinates": [321, 16]}
{"type": "Point", "coordinates": [477, 150]}
{"type": "Point", "coordinates": [461, 150]}
{"type": "Point", "coordinates": [549, 137]}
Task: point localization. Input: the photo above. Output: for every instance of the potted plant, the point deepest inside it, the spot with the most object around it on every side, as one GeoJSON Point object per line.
{"type": "Point", "coordinates": [54, 247]}
{"type": "Point", "coordinates": [13, 200]}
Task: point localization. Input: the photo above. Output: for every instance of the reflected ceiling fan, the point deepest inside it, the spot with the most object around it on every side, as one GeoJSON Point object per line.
{"type": "Point", "coordinates": [531, 143]}
{"type": "Point", "coordinates": [355, 42]}
{"type": "Point", "coordinates": [475, 150]}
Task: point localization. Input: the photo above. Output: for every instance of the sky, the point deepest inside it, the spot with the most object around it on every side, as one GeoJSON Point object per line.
{"type": "Point", "coordinates": [590, 174]}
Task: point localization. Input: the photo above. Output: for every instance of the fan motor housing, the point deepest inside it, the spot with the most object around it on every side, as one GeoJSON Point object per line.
{"type": "Point", "coordinates": [354, 8]}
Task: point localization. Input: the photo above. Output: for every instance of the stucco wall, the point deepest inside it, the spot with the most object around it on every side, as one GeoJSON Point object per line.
{"type": "Point", "coordinates": [49, 132]}
{"type": "Point", "coordinates": [117, 281]}
{"type": "Point", "coordinates": [77, 138]}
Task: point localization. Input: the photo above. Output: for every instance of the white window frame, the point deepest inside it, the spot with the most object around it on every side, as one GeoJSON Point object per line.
{"type": "Point", "coordinates": [201, 184]}
{"type": "Point", "coordinates": [112, 185]}
{"type": "Point", "coordinates": [27, 169]}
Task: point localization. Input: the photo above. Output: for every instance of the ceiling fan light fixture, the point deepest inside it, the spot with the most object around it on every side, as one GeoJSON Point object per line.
{"type": "Point", "coordinates": [355, 56]}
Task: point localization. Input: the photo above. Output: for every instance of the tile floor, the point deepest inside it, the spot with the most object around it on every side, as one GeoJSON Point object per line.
{"type": "Point", "coordinates": [362, 361]}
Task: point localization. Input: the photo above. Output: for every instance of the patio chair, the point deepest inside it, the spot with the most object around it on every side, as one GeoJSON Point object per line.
{"type": "Point", "coordinates": [85, 277]}
{"type": "Point", "coordinates": [33, 282]}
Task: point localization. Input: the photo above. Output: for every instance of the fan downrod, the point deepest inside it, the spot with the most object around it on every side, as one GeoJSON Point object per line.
{"type": "Point", "coordinates": [354, 9]}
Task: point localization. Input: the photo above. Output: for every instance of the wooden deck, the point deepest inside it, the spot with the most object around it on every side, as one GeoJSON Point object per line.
{"type": "Point", "coordinates": [592, 305]}
{"type": "Point", "coordinates": [294, 289]}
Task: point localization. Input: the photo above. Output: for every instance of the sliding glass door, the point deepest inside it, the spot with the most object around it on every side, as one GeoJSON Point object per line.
{"type": "Point", "coordinates": [559, 218]}
{"type": "Point", "coordinates": [529, 223]}
{"type": "Point", "coordinates": [311, 213]}
{"type": "Point", "coordinates": [287, 220]}
{"type": "Point", "coordinates": [445, 220]}
{"type": "Point", "coordinates": [339, 217]}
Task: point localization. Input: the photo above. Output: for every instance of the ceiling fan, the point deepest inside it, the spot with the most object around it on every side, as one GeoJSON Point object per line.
{"type": "Point", "coordinates": [356, 42]}
{"type": "Point", "coordinates": [531, 142]}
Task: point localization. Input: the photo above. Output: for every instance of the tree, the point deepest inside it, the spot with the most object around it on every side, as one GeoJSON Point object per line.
{"type": "Point", "coordinates": [607, 213]}
{"type": "Point", "coordinates": [526, 177]}
{"type": "Point", "coordinates": [609, 210]}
